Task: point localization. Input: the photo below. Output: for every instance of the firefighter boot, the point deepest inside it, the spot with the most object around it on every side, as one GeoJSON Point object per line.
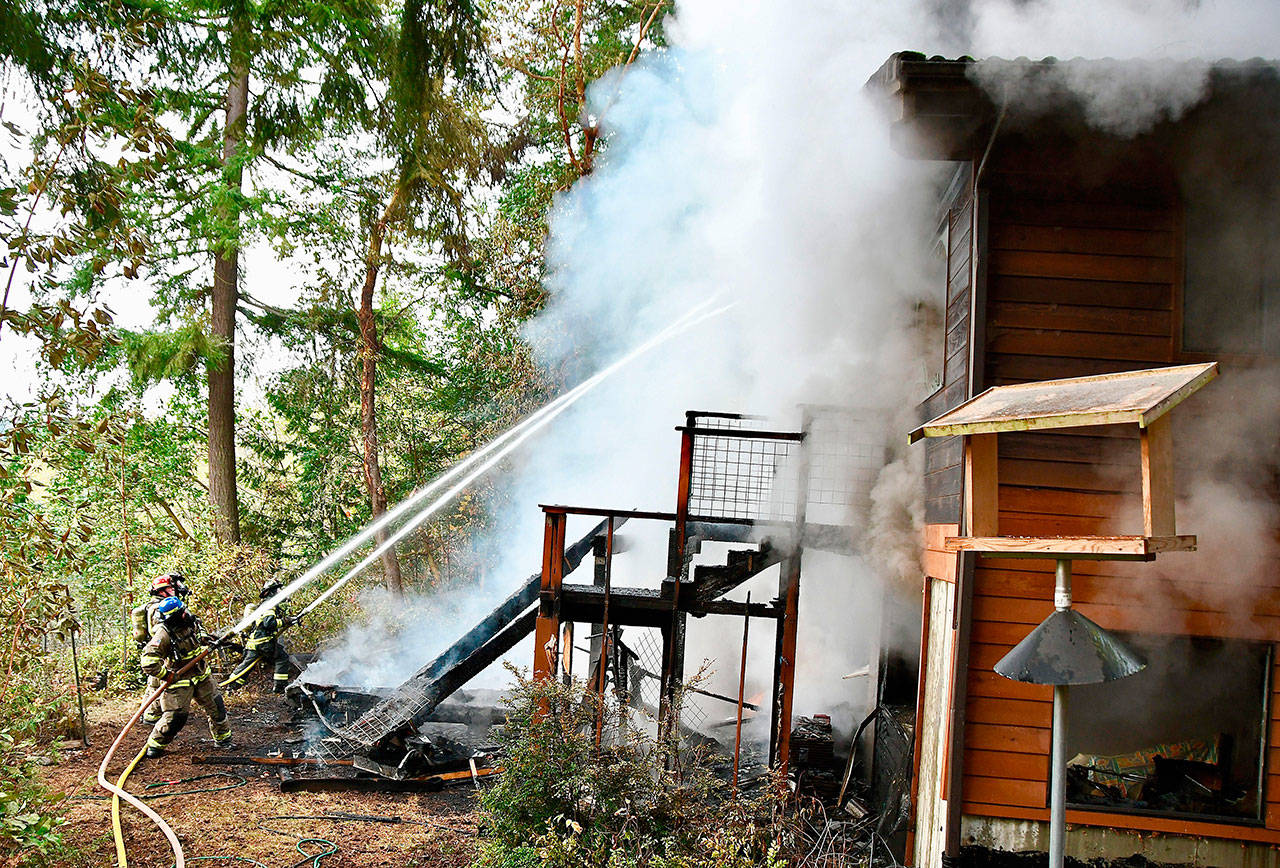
{"type": "Point", "coordinates": [220, 724]}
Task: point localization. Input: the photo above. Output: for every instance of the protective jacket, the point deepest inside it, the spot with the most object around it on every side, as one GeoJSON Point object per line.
{"type": "Point", "coordinates": [267, 628]}
{"type": "Point", "coordinates": [264, 646]}
{"type": "Point", "coordinates": [170, 649]}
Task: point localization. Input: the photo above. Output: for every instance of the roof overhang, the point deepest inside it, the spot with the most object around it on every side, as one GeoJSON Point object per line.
{"type": "Point", "coordinates": [939, 110]}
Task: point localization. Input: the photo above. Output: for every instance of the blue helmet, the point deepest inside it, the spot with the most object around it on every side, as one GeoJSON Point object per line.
{"type": "Point", "coordinates": [171, 608]}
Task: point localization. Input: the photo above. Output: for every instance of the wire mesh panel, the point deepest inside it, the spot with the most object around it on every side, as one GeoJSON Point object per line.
{"type": "Point", "coordinates": [757, 478]}
{"type": "Point", "coordinates": [846, 454]}
{"type": "Point", "coordinates": [742, 477]}
{"type": "Point", "coordinates": [738, 476]}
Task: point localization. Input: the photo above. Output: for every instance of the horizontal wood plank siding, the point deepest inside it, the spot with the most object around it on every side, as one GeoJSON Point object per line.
{"type": "Point", "coordinates": [1077, 288]}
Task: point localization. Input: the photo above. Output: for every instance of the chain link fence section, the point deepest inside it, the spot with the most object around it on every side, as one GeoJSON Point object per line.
{"type": "Point", "coordinates": [637, 682]}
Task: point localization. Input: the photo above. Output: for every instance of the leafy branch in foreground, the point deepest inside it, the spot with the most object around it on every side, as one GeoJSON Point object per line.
{"type": "Point", "coordinates": [634, 801]}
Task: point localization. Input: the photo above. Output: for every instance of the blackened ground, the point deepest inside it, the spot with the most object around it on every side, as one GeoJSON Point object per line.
{"type": "Point", "coordinates": [230, 822]}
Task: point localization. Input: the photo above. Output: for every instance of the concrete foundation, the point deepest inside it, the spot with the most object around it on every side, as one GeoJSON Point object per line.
{"type": "Point", "coordinates": [1100, 846]}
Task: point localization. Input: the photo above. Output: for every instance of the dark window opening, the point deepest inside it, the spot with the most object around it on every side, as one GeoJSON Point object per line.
{"type": "Point", "coordinates": [1185, 736]}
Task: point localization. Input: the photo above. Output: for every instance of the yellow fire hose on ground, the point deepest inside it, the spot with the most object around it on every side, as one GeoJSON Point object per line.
{"type": "Point", "coordinates": [122, 858]}
{"type": "Point", "coordinates": [117, 789]}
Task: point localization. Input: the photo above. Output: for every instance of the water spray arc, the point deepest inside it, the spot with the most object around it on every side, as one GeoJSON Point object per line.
{"type": "Point", "coordinates": [467, 471]}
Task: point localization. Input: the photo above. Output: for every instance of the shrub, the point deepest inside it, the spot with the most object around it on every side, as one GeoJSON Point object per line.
{"type": "Point", "coordinates": [30, 821]}
{"type": "Point", "coordinates": [635, 802]}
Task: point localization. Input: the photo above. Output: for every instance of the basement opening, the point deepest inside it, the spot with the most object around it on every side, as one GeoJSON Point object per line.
{"type": "Point", "coordinates": [1185, 736]}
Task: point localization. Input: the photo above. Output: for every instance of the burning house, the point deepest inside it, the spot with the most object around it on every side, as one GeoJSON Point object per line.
{"type": "Point", "coordinates": [1081, 242]}
{"type": "Point", "coordinates": [1100, 263]}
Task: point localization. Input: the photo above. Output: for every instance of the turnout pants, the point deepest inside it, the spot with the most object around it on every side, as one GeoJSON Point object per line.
{"type": "Point", "coordinates": [175, 705]}
{"type": "Point", "coordinates": [272, 653]}
{"type": "Point", "coordinates": [152, 714]}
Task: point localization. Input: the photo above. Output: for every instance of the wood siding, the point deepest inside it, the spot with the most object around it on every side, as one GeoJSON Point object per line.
{"type": "Point", "coordinates": [942, 456]}
{"type": "Point", "coordinates": [1079, 287]}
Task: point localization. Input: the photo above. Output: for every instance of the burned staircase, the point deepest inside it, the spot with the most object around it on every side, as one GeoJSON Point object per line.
{"type": "Point", "coordinates": [727, 493]}
{"type": "Point", "coordinates": [496, 634]}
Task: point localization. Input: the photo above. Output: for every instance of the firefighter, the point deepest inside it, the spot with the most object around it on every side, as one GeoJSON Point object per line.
{"type": "Point", "coordinates": [144, 619]}
{"type": "Point", "coordinates": [176, 641]}
{"type": "Point", "coordinates": [263, 643]}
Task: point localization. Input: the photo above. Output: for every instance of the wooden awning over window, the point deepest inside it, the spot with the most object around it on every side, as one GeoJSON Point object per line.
{"type": "Point", "coordinates": [1139, 397]}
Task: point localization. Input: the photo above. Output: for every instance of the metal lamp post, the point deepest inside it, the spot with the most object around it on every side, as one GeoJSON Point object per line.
{"type": "Point", "coordinates": [1066, 648]}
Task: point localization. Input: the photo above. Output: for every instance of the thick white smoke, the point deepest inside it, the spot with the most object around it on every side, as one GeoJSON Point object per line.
{"type": "Point", "coordinates": [746, 160]}
{"type": "Point", "coordinates": [1173, 41]}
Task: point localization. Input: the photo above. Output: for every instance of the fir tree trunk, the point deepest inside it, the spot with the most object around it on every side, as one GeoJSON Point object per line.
{"type": "Point", "coordinates": [226, 277]}
{"type": "Point", "coordinates": [368, 407]}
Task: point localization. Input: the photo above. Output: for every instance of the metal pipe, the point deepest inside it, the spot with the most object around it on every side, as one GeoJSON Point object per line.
{"type": "Point", "coordinates": [1058, 757]}
{"type": "Point", "coordinates": [1062, 585]}
{"type": "Point", "coordinates": [742, 686]}
{"type": "Point", "coordinates": [1058, 782]}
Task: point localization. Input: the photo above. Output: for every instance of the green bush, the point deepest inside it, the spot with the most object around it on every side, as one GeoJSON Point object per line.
{"type": "Point", "coordinates": [635, 802]}
{"type": "Point", "coordinates": [30, 821]}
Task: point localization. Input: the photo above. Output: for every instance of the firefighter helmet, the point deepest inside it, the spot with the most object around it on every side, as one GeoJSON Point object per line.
{"type": "Point", "coordinates": [269, 588]}
{"type": "Point", "coordinates": [166, 585]}
{"type": "Point", "coordinates": [172, 610]}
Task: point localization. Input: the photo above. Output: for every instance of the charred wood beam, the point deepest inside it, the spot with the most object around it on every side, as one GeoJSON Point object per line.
{"type": "Point", "coordinates": [710, 582]}
{"type": "Point", "coordinates": [242, 760]}
{"type": "Point", "coordinates": [646, 607]}
{"type": "Point", "coordinates": [393, 716]}
{"type": "Point", "coordinates": [418, 696]}
{"type": "Point", "coordinates": [506, 611]}
{"type": "Point", "coordinates": [732, 607]}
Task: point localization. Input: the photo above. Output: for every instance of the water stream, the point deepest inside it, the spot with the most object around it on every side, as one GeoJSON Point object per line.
{"type": "Point", "coordinates": [456, 480]}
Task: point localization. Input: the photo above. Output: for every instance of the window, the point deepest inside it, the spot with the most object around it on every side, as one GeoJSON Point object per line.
{"type": "Point", "coordinates": [1184, 736]}
{"type": "Point", "coordinates": [1231, 286]}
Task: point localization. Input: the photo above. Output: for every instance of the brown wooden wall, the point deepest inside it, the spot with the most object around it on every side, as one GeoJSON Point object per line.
{"type": "Point", "coordinates": [1080, 285]}
{"type": "Point", "coordinates": [942, 456]}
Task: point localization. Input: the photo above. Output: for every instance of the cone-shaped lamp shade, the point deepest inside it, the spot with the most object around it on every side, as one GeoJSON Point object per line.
{"type": "Point", "coordinates": [1068, 648]}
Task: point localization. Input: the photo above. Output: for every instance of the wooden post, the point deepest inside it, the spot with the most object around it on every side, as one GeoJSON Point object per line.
{"type": "Point", "coordinates": [677, 563]}
{"type": "Point", "coordinates": [981, 485]}
{"type": "Point", "coordinates": [547, 629]}
{"type": "Point", "coordinates": [604, 633]}
{"type": "Point", "coordinates": [1157, 478]}
{"type": "Point", "coordinates": [742, 687]}
{"type": "Point", "coordinates": [789, 624]}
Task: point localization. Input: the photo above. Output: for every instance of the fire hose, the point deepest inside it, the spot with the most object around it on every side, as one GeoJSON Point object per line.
{"type": "Point", "coordinates": [117, 789]}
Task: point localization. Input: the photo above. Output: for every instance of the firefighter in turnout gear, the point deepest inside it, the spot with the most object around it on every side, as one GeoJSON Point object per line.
{"type": "Point", "coordinates": [263, 643]}
{"type": "Point", "coordinates": [177, 639]}
{"type": "Point", "coordinates": [144, 619]}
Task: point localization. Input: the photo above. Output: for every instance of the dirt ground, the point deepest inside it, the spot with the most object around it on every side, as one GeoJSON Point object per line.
{"type": "Point", "coordinates": [233, 822]}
